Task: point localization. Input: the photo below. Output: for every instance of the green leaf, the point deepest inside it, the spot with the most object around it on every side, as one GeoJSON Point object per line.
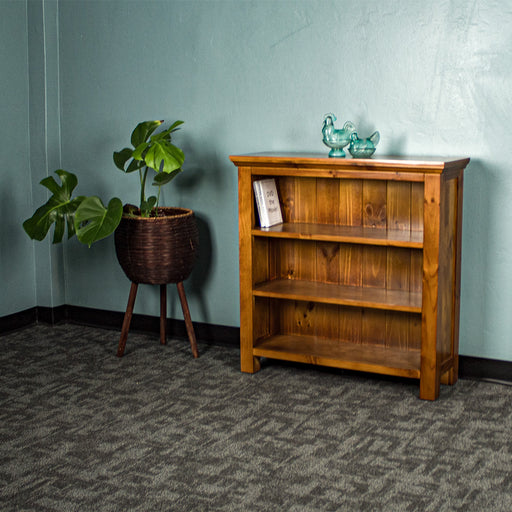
{"type": "Point", "coordinates": [138, 152]}
{"type": "Point", "coordinates": [135, 165]}
{"type": "Point", "coordinates": [143, 131]}
{"type": "Point", "coordinates": [93, 221]}
{"type": "Point", "coordinates": [160, 136]}
{"type": "Point", "coordinates": [63, 192]}
{"type": "Point", "coordinates": [39, 224]}
{"type": "Point", "coordinates": [59, 209]}
{"type": "Point", "coordinates": [58, 232]}
{"type": "Point", "coordinates": [166, 134]}
{"type": "Point", "coordinates": [121, 157]}
{"type": "Point", "coordinates": [162, 178]}
{"type": "Point", "coordinates": [147, 206]}
{"type": "Point", "coordinates": [164, 155]}
{"type": "Point", "coordinates": [174, 126]}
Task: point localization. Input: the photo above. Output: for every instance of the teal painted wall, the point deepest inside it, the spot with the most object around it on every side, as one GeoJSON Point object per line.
{"type": "Point", "coordinates": [16, 252]}
{"type": "Point", "coordinates": [253, 75]}
{"type": "Point", "coordinates": [45, 139]}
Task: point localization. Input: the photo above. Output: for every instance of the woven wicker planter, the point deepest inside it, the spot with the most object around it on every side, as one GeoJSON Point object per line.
{"type": "Point", "coordinates": [158, 250]}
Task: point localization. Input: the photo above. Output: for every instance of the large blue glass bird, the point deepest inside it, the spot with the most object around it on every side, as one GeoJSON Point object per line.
{"type": "Point", "coordinates": [334, 138]}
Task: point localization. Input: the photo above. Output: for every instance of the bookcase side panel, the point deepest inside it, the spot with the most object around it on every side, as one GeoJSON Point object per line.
{"type": "Point", "coordinates": [447, 268]}
{"type": "Point", "coordinates": [430, 362]}
{"type": "Point", "coordinates": [452, 375]}
{"type": "Point", "coordinates": [246, 219]}
{"type": "Point", "coordinates": [261, 256]}
{"type": "Point", "coordinates": [262, 314]}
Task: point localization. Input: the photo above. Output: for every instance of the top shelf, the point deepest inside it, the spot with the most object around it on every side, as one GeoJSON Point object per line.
{"type": "Point", "coordinates": [382, 163]}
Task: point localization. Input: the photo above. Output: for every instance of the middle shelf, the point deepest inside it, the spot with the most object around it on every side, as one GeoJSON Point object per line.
{"type": "Point", "coordinates": [367, 297]}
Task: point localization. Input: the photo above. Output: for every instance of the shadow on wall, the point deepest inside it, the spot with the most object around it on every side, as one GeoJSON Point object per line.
{"type": "Point", "coordinates": [203, 266]}
{"type": "Point", "coordinates": [203, 175]}
{"type": "Point", "coordinates": [479, 181]}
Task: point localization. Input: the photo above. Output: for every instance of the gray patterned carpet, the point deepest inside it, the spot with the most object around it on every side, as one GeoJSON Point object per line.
{"type": "Point", "coordinates": [82, 430]}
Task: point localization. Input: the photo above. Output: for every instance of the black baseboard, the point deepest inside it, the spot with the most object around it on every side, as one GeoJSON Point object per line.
{"type": "Point", "coordinates": [18, 320]}
{"type": "Point", "coordinates": [146, 323]}
{"type": "Point", "coordinates": [469, 367]}
{"type": "Point", "coordinates": [480, 368]}
{"type": "Point", "coordinates": [216, 334]}
{"type": "Point", "coordinates": [52, 316]}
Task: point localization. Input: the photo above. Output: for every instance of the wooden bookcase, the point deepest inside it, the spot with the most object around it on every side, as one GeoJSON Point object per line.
{"type": "Point", "coordinates": [364, 272]}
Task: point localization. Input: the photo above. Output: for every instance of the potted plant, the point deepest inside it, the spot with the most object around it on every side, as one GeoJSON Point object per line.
{"type": "Point", "coordinates": [154, 244]}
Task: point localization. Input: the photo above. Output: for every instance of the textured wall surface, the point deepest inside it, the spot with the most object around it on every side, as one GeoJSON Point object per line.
{"type": "Point", "coordinates": [433, 77]}
{"type": "Point", "coordinates": [16, 250]}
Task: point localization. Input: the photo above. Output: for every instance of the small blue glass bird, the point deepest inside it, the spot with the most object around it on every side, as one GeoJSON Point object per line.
{"type": "Point", "coordinates": [363, 148]}
{"type": "Point", "coordinates": [334, 138]}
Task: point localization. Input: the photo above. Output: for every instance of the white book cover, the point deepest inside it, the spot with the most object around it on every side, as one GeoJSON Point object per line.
{"type": "Point", "coordinates": [267, 201]}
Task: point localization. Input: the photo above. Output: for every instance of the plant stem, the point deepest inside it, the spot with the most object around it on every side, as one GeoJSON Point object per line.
{"type": "Point", "coordinates": [143, 188]}
{"type": "Point", "coordinates": [157, 200]}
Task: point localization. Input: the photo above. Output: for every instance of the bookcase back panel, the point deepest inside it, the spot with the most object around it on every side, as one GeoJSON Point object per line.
{"type": "Point", "coordinates": [390, 268]}
{"type": "Point", "coordinates": [352, 202]}
{"type": "Point", "coordinates": [338, 323]}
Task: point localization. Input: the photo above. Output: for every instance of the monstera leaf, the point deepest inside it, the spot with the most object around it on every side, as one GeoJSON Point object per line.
{"type": "Point", "coordinates": [121, 157]}
{"type": "Point", "coordinates": [94, 221]}
{"type": "Point", "coordinates": [164, 156]}
{"type": "Point", "coordinates": [154, 151]}
{"type": "Point", "coordinates": [59, 209]}
{"type": "Point", "coordinates": [147, 205]}
{"type": "Point", "coordinates": [143, 131]}
{"type": "Point", "coordinates": [163, 178]}
{"type": "Point", "coordinates": [151, 151]}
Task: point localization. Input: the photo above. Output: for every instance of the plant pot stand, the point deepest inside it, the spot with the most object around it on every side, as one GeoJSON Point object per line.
{"type": "Point", "coordinates": [157, 250]}
{"type": "Point", "coordinates": [163, 314]}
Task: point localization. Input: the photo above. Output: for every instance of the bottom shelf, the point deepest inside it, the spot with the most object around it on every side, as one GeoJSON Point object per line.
{"type": "Point", "coordinates": [340, 354]}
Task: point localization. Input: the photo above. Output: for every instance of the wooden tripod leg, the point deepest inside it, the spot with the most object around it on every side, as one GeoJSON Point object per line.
{"type": "Point", "coordinates": [127, 319]}
{"type": "Point", "coordinates": [188, 320]}
{"type": "Point", "coordinates": [163, 312]}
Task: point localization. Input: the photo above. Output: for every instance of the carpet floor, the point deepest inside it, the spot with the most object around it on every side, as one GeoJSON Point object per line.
{"type": "Point", "coordinates": [156, 430]}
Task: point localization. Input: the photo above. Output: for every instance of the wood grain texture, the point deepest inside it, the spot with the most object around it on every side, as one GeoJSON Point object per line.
{"type": "Point", "coordinates": [430, 381]}
{"type": "Point", "coordinates": [364, 272]}
{"type": "Point", "coordinates": [374, 298]}
{"type": "Point", "coordinates": [246, 220]}
{"type": "Point", "coordinates": [296, 162]}
{"type": "Point", "coordinates": [348, 355]}
{"type": "Point", "coordinates": [452, 375]}
{"type": "Point", "coordinates": [344, 234]}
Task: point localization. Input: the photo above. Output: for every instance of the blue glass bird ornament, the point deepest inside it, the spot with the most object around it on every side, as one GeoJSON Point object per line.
{"type": "Point", "coordinates": [336, 139]}
{"type": "Point", "coordinates": [363, 148]}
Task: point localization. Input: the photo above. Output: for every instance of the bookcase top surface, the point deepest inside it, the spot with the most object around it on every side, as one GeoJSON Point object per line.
{"type": "Point", "coordinates": [421, 164]}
